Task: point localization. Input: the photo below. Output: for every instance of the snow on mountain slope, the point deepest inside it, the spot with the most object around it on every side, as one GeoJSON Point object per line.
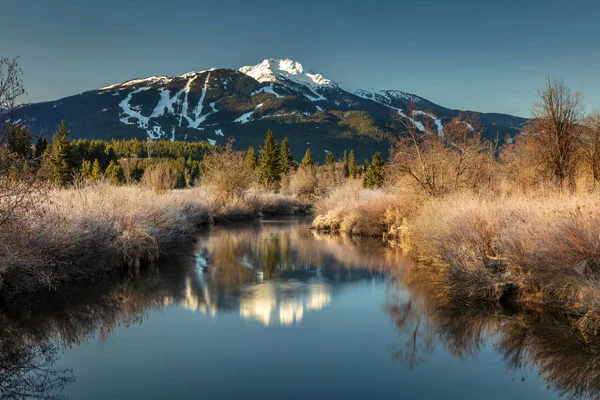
{"type": "Point", "coordinates": [276, 94]}
{"type": "Point", "coordinates": [273, 70]}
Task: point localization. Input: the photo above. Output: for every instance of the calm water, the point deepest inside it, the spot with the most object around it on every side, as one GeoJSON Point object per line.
{"type": "Point", "coordinates": [273, 310]}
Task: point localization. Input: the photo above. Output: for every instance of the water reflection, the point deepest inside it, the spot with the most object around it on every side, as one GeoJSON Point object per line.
{"type": "Point", "coordinates": [273, 273]}
{"type": "Point", "coordinates": [531, 341]}
{"type": "Point", "coordinates": [279, 274]}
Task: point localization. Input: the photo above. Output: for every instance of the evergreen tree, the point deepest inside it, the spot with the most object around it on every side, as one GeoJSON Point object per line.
{"type": "Point", "coordinates": [96, 173]}
{"type": "Point", "coordinates": [365, 166]}
{"type": "Point", "coordinates": [114, 173]}
{"type": "Point", "coordinates": [86, 169]}
{"type": "Point", "coordinates": [287, 162]}
{"type": "Point", "coordinates": [268, 163]}
{"type": "Point", "coordinates": [251, 161]}
{"type": "Point", "coordinates": [19, 140]}
{"type": "Point", "coordinates": [352, 167]}
{"type": "Point", "coordinates": [40, 147]}
{"type": "Point", "coordinates": [345, 167]}
{"type": "Point", "coordinates": [61, 160]}
{"type": "Point", "coordinates": [329, 160]}
{"type": "Point", "coordinates": [308, 160]}
{"type": "Point", "coordinates": [374, 175]}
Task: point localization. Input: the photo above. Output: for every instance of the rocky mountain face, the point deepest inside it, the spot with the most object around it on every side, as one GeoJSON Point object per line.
{"type": "Point", "coordinates": [218, 105]}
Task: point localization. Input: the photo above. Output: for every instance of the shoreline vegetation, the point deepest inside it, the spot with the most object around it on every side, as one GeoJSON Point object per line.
{"type": "Point", "coordinates": [487, 221]}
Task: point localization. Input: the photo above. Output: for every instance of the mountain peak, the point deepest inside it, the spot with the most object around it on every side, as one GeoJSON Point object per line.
{"type": "Point", "coordinates": [272, 70]}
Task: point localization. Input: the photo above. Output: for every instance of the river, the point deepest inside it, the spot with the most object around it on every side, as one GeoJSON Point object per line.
{"type": "Point", "coordinates": [271, 309]}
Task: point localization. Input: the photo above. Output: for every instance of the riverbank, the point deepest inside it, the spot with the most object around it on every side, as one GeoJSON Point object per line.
{"type": "Point", "coordinates": [81, 233]}
{"type": "Point", "coordinates": [540, 249]}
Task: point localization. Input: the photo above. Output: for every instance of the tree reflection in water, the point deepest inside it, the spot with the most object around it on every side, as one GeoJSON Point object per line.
{"type": "Point", "coordinates": [528, 340]}
{"type": "Point", "coordinates": [277, 273]}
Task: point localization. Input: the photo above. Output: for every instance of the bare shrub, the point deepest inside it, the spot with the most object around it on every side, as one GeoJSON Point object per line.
{"type": "Point", "coordinates": [160, 177]}
{"type": "Point", "coordinates": [553, 132]}
{"type": "Point", "coordinates": [312, 182]}
{"type": "Point", "coordinates": [304, 183]}
{"type": "Point", "coordinates": [457, 160]}
{"type": "Point", "coordinates": [226, 176]}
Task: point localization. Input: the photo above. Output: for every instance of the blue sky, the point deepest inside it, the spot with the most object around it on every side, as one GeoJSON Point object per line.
{"type": "Point", "coordinates": [466, 54]}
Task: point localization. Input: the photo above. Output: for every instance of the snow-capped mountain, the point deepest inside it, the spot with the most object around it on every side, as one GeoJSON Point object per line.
{"type": "Point", "coordinates": [220, 104]}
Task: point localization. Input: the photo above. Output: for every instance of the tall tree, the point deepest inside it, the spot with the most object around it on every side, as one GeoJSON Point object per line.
{"type": "Point", "coordinates": [345, 166]}
{"type": "Point", "coordinates": [250, 162]}
{"type": "Point", "coordinates": [352, 167]}
{"type": "Point", "coordinates": [96, 173]}
{"type": "Point", "coordinates": [374, 175]}
{"type": "Point", "coordinates": [268, 164]}
{"type": "Point", "coordinates": [61, 160]}
{"type": "Point", "coordinates": [40, 147]}
{"type": "Point", "coordinates": [19, 140]}
{"type": "Point", "coordinates": [114, 173]}
{"type": "Point", "coordinates": [553, 129]}
{"type": "Point", "coordinates": [329, 159]}
{"type": "Point", "coordinates": [86, 169]}
{"type": "Point", "coordinates": [285, 158]}
{"type": "Point", "coordinates": [308, 160]}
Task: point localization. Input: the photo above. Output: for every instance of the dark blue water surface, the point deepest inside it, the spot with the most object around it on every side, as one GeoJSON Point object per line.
{"type": "Point", "coordinates": [273, 310]}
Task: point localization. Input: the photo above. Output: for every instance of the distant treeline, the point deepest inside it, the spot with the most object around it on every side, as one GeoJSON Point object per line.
{"type": "Point", "coordinates": [125, 161]}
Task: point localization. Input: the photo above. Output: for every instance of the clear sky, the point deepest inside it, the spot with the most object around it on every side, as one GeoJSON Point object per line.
{"type": "Point", "coordinates": [466, 54]}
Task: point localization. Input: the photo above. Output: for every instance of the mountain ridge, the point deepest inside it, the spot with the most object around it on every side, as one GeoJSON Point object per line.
{"type": "Point", "coordinates": [216, 104]}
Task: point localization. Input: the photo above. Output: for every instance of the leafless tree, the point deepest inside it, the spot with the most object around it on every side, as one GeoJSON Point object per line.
{"type": "Point", "coordinates": [590, 144]}
{"type": "Point", "coordinates": [458, 159]}
{"type": "Point", "coordinates": [554, 130]}
{"type": "Point", "coordinates": [19, 183]}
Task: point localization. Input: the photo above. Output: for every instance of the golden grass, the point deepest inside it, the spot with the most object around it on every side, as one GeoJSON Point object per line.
{"type": "Point", "coordinates": [354, 210]}
{"type": "Point", "coordinates": [83, 232]}
{"type": "Point", "coordinates": [540, 248]}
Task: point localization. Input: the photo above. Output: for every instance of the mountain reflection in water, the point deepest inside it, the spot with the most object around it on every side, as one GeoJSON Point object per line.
{"type": "Point", "coordinates": [277, 273]}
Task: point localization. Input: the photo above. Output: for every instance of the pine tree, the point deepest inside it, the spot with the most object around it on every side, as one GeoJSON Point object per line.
{"type": "Point", "coordinates": [40, 147]}
{"type": "Point", "coordinates": [287, 162]}
{"type": "Point", "coordinates": [308, 160]}
{"type": "Point", "coordinates": [19, 140]}
{"type": "Point", "coordinates": [96, 173]}
{"type": "Point", "coordinates": [345, 167]}
{"type": "Point", "coordinates": [374, 175]}
{"type": "Point", "coordinates": [352, 167]}
{"type": "Point", "coordinates": [61, 160]}
{"type": "Point", "coordinates": [268, 162]}
{"type": "Point", "coordinates": [114, 173]}
{"type": "Point", "coordinates": [86, 169]}
{"type": "Point", "coordinates": [329, 160]}
{"type": "Point", "coordinates": [365, 166]}
{"type": "Point", "coordinates": [251, 161]}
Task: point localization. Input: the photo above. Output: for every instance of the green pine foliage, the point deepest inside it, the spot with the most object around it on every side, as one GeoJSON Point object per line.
{"type": "Point", "coordinates": [251, 161]}
{"type": "Point", "coordinates": [96, 172]}
{"type": "Point", "coordinates": [287, 162]}
{"type": "Point", "coordinates": [40, 147]}
{"type": "Point", "coordinates": [86, 169]}
{"type": "Point", "coordinates": [352, 167]}
{"type": "Point", "coordinates": [345, 167]}
{"type": "Point", "coordinates": [19, 140]}
{"type": "Point", "coordinates": [329, 159]}
{"type": "Point", "coordinates": [61, 160]}
{"type": "Point", "coordinates": [374, 173]}
{"type": "Point", "coordinates": [114, 173]}
{"type": "Point", "coordinates": [308, 159]}
{"type": "Point", "coordinates": [269, 171]}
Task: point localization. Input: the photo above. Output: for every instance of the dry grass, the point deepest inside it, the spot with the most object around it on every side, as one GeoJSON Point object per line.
{"type": "Point", "coordinates": [93, 230]}
{"type": "Point", "coordinates": [541, 248]}
{"type": "Point", "coordinates": [352, 209]}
